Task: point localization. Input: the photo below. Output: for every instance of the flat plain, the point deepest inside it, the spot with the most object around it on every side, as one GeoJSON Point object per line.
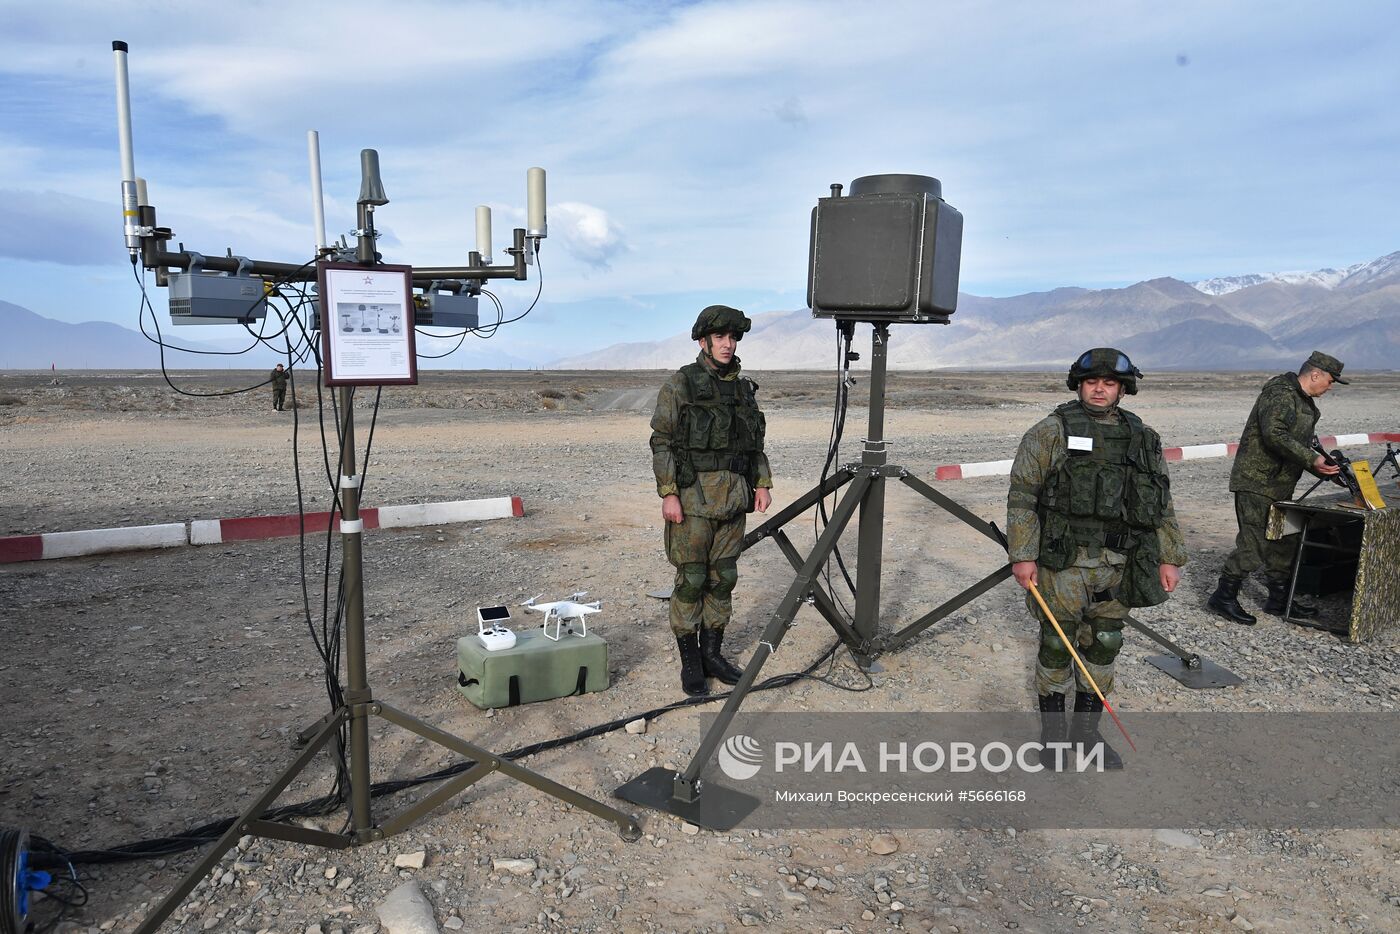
{"type": "Point", "coordinates": [148, 692]}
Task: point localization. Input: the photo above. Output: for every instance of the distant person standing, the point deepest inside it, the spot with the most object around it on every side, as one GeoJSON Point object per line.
{"type": "Point", "coordinates": [1274, 451]}
{"type": "Point", "coordinates": [707, 455]}
{"type": "Point", "coordinates": [279, 387]}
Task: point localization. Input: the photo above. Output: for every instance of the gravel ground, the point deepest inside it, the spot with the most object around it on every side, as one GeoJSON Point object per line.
{"type": "Point", "coordinates": [149, 692]}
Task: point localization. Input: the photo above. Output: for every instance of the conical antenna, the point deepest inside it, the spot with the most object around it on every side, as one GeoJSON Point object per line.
{"type": "Point", "coordinates": [371, 188]}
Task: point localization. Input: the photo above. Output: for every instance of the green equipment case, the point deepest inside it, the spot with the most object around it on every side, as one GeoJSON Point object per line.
{"type": "Point", "coordinates": [536, 668]}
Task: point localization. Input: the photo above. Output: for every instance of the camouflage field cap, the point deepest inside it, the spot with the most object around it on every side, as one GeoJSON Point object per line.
{"type": "Point", "coordinates": [1104, 361]}
{"type": "Point", "coordinates": [1327, 364]}
{"type": "Point", "coordinates": [718, 319]}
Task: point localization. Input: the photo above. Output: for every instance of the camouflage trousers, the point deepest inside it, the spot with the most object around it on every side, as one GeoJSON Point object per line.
{"type": "Point", "coordinates": [1095, 625]}
{"type": "Point", "coordinates": [1252, 549]}
{"type": "Point", "coordinates": [706, 555]}
{"type": "Point", "coordinates": [279, 396]}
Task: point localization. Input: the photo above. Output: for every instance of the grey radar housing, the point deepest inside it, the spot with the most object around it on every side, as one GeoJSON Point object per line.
{"type": "Point", "coordinates": [889, 251]}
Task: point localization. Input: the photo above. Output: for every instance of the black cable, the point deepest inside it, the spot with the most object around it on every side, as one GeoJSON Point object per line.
{"type": "Point", "coordinates": [838, 429]}
{"type": "Point", "coordinates": [438, 356]}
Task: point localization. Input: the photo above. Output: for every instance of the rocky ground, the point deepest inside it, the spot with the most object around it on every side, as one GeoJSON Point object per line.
{"type": "Point", "coordinates": [149, 692]}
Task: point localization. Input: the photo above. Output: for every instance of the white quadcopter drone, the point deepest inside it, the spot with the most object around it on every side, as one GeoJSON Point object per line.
{"type": "Point", "coordinates": [562, 611]}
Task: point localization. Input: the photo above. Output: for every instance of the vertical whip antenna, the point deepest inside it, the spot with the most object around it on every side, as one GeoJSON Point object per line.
{"type": "Point", "coordinates": [318, 203]}
{"type": "Point", "coordinates": [130, 201]}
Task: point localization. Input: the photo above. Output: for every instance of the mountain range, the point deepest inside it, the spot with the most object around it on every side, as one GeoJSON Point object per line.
{"type": "Point", "coordinates": [1258, 321]}
{"type": "Point", "coordinates": [33, 342]}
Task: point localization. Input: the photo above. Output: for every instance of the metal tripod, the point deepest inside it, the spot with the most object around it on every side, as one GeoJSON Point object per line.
{"type": "Point", "coordinates": [357, 707]}
{"type": "Point", "coordinates": [716, 807]}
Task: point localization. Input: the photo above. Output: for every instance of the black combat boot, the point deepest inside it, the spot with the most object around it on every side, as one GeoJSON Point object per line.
{"type": "Point", "coordinates": [1084, 731]}
{"type": "Point", "coordinates": [1278, 601]}
{"type": "Point", "coordinates": [1226, 601]}
{"type": "Point", "coordinates": [1052, 730]}
{"type": "Point", "coordinates": [692, 668]}
{"type": "Point", "coordinates": [715, 664]}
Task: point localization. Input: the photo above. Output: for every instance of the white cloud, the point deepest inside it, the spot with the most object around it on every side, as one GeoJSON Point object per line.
{"type": "Point", "coordinates": [587, 232]}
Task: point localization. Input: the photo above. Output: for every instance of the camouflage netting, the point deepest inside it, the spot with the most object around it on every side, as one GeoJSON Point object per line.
{"type": "Point", "coordinates": [1375, 603]}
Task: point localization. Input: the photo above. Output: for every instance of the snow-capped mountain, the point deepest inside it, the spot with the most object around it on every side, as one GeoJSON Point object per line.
{"type": "Point", "coordinates": [1356, 274]}
{"type": "Point", "coordinates": [1257, 322]}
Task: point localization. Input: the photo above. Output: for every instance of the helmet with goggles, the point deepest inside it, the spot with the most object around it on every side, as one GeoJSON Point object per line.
{"type": "Point", "coordinates": [1104, 362]}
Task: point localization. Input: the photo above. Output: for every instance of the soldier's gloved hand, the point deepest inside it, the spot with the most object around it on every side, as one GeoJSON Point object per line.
{"type": "Point", "coordinates": [762, 499]}
{"type": "Point", "coordinates": [1324, 469]}
{"type": "Point", "coordinates": [1170, 574]}
{"type": "Point", "coordinates": [671, 509]}
{"type": "Point", "coordinates": [1026, 574]}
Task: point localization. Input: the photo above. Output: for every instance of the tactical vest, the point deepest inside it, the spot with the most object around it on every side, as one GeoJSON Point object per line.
{"type": "Point", "coordinates": [1112, 496]}
{"type": "Point", "coordinates": [719, 427]}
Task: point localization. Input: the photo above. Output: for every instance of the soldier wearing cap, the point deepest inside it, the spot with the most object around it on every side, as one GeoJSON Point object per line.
{"type": "Point", "coordinates": [1090, 524]}
{"type": "Point", "coordinates": [1273, 453]}
{"type": "Point", "coordinates": [707, 454]}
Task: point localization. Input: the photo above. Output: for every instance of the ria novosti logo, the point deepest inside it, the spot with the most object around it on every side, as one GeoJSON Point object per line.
{"type": "Point", "coordinates": [740, 757]}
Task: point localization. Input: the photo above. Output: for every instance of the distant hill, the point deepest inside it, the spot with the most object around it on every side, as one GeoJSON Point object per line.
{"type": "Point", "coordinates": [33, 342]}
{"type": "Point", "coordinates": [1250, 322]}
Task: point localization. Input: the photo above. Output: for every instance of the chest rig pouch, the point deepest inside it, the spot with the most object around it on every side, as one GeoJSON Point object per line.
{"type": "Point", "coordinates": [1111, 496]}
{"type": "Point", "coordinates": [719, 427]}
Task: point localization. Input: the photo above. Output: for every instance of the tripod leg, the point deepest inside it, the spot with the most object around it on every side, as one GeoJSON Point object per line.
{"type": "Point", "coordinates": [240, 827]}
{"type": "Point", "coordinates": [951, 506]}
{"type": "Point", "coordinates": [487, 762]}
{"type": "Point", "coordinates": [825, 605]}
{"type": "Point", "coordinates": [798, 506]}
{"type": "Point", "coordinates": [933, 616]}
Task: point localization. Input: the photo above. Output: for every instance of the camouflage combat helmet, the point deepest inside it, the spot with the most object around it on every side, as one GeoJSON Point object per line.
{"type": "Point", "coordinates": [1104, 361]}
{"type": "Point", "coordinates": [718, 319]}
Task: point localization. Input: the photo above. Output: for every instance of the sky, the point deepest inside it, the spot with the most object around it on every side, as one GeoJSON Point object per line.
{"type": "Point", "coordinates": [1090, 144]}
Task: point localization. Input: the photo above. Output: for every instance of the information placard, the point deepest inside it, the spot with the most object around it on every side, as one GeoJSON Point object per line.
{"type": "Point", "coordinates": [367, 325]}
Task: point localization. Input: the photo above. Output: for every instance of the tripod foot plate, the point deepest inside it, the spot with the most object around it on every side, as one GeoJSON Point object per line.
{"type": "Point", "coordinates": [715, 807]}
{"type": "Point", "coordinates": [1208, 675]}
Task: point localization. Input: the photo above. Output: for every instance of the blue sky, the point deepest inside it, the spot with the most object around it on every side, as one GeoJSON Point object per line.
{"type": "Point", "coordinates": [1092, 144]}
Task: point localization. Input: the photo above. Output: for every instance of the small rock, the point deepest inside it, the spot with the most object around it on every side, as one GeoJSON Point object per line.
{"type": "Point", "coordinates": [408, 860]}
{"type": "Point", "coordinates": [884, 844]}
{"type": "Point", "coordinates": [637, 726]}
{"type": "Point", "coordinates": [407, 910]}
{"type": "Point", "coordinates": [454, 923]}
{"type": "Point", "coordinates": [749, 921]}
{"type": "Point", "coordinates": [689, 829]}
{"type": "Point", "coordinates": [330, 872]}
{"type": "Point", "coordinates": [518, 867]}
{"type": "Point", "coordinates": [867, 915]}
{"type": "Point", "coordinates": [1177, 839]}
{"type": "Point", "coordinates": [1241, 922]}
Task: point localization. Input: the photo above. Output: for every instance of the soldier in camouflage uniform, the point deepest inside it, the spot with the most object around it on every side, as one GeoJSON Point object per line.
{"type": "Point", "coordinates": [1090, 523]}
{"type": "Point", "coordinates": [1273, 453]}
{"type": "Point", "coordinates": [279, 387]}
{"type": "Point", "coordinates": [707, 454]}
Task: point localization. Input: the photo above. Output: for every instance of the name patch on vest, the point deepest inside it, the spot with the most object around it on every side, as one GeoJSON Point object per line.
{"type": "Point", "coordinates": [1075, 443]}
